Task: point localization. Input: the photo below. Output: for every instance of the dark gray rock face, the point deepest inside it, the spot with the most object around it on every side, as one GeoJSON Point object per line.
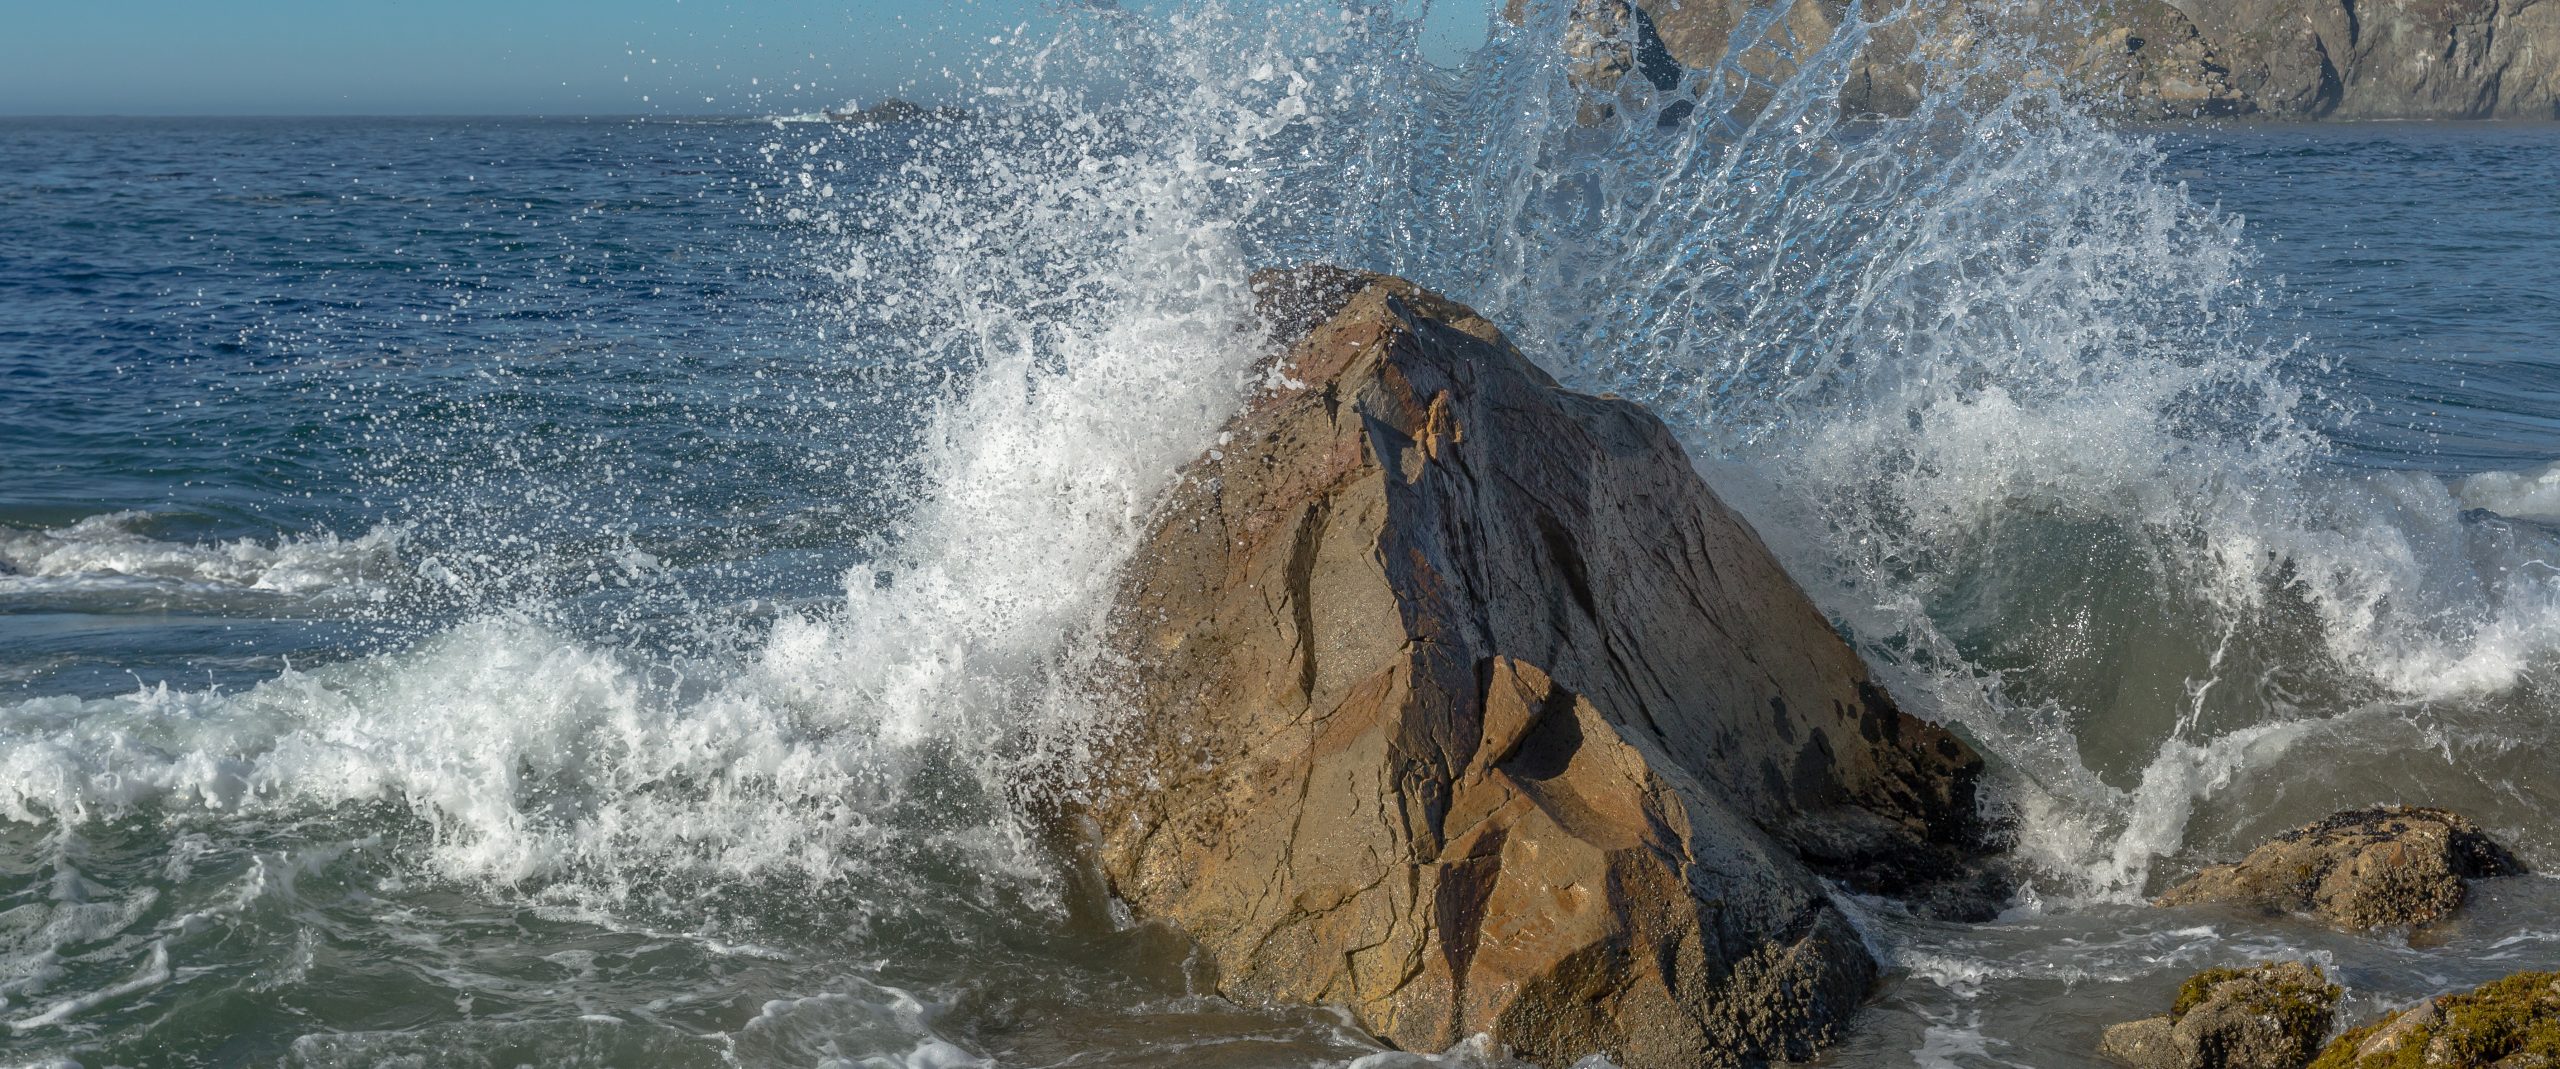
{"type": "Point", "coordinates": [2281, 59]}
{"type": "Point", "coordinates": [1459, 702]}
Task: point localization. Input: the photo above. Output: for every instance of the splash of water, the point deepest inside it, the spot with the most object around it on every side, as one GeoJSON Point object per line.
{"type": "Point", "coordinates": [1995, 386]}
{"type": "Point", "coordinates": [115, 551]}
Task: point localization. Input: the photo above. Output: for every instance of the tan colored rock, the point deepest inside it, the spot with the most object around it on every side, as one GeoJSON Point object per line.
{"type": "Point", "coordinates": [2267, 1016]}
{"type": "Point", "coordinates": [2384, 867]}
{"type": "Point", "coordinates": [2140, 57]}
{"type": "Point", "coordinates": [2143, 58]}
{"type": "Point", "coordinates": [2409, 1028]}
{"type": "Point", "coordinates": [1460, 703]}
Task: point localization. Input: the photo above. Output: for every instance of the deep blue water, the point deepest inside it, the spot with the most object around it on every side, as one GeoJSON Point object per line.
{"type": "Point", "coordinates": [2425, 259]}
{"type": "Point", "coordinates": [528, 342]}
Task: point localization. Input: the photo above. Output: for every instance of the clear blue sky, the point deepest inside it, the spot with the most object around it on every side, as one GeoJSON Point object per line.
{"type": "Point", "coordinates": [560, 57]}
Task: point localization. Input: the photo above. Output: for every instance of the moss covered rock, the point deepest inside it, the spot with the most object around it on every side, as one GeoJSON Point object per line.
{"type": "Point", "coordinates": [2383, 867]}
{"type": "Point", "coordinates": [2268, 1016]}
{"type": "Point", "coordinates": [2510, 1024]}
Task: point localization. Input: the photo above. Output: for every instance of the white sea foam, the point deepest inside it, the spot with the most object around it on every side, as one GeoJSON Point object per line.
{"type": "Point", "coordinates": [2022, 337]}
{"type": "Point", "coordinates": [154, 972]}
{"type": "Point", "coordinates": [1954, 1043]}
{"type": "Point", "coordinates": [822, 1030]}
{"type": "Point", "coordinates": [1479, 1051]}
{"type": "Point", "coordinates": [1096, 303]}
{"type": "Point", "coordinates": [111, 549]}
{"type": "Point", "coordinates": [2524, 495]}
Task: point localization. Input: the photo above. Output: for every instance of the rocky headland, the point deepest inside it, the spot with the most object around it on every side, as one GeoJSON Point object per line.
{"type": "Point", "coordinates": [1459, 702]}
{"type": "Point", "coordinates": [2157, 59]}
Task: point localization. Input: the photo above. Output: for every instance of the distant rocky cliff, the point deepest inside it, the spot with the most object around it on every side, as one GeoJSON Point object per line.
{"type": "Point", "coordinates": [2280, 59]}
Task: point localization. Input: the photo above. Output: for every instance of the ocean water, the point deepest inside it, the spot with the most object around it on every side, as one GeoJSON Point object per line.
{"type": "Point", "coordinates": [497, 592]}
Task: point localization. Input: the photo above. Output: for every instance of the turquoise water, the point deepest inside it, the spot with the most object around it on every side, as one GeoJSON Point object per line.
{"type": "Point", "coordinates": [544, 592]}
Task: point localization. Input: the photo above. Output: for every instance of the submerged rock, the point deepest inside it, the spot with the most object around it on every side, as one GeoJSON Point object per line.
{"type": "Point", "coordinates": [1459, 702]}
{"type": "Point", "coordinates": [2508, 1024]}
{"type": "Point", "coordinates": [2268, 1016]}
{"type": "Point", "coordinates": [2384, 867]}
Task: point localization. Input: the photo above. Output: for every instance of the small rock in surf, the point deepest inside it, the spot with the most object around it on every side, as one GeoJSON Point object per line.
{"type": "Point", "coordinates": [2361, 870]}
{"type": "Point", "coordinates": [2267, 1016]}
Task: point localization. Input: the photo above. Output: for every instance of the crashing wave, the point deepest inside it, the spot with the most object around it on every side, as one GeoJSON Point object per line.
{"type": "Point", "coordinates": [115, 547]}
{"type": "Point", "coordinates": [2523, 495]}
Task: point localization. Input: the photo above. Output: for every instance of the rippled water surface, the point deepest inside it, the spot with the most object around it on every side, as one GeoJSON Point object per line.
{"type": "Point", "coordinates": [2418, 255]}
{"type": "Point", "coordinates": [493, 592]}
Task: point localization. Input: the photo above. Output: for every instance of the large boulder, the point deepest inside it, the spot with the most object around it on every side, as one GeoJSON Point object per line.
{"type": "Point", "coordinates": [2384, 867]}
{"type": "Point", "coordinates": [1460, 703]}
{"type": "Point", "coordinates": [2507, 1024]}
{"type": "Point", "coordinates": [2267, 1016]}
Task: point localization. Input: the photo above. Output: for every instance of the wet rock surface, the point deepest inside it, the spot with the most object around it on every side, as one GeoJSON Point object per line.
{"type": "Point", "coordinates": [2512, 1023]}
{"type": "Point", "coordinates": [1462, 704]}
{"type": "Point", "coordinates": [2365, 869]}
{"type": "Point", "coordinates": [2268, 1016]}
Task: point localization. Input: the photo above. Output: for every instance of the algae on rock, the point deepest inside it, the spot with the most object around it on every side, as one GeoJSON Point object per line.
{"type": "Point", "coordinates": [2267, 1016]}
{"type": "Point", "coordinates": [2506, 1024]}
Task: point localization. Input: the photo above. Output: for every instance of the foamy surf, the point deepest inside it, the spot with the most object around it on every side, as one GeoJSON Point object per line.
{"type": "Point", "coordinates": [2523, 495]}
{"type": "Point", "coordinates": [116, 550]}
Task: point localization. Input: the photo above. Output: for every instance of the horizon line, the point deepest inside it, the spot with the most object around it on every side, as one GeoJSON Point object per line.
{"type": "Point", "coordinates": [56, 116]}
